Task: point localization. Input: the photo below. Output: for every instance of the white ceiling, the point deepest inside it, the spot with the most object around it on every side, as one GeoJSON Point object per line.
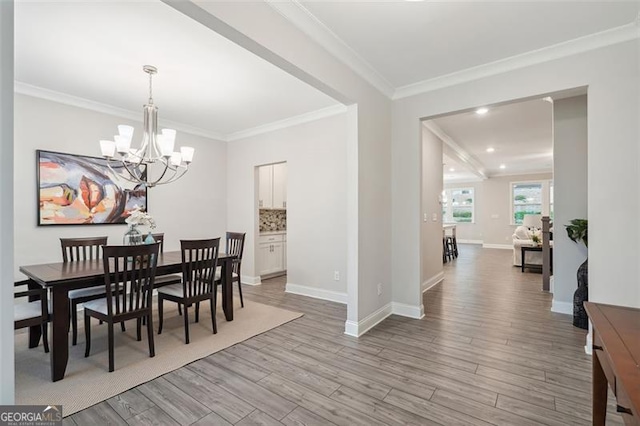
{"type": "Point", "coordinates": [521, 134]}
{"type": "Point", "coordinates": [411, 41]}
{"type": "Point", "coordinates": [453, 170]}
{"type": "Point", "coordinates": [95, 50]}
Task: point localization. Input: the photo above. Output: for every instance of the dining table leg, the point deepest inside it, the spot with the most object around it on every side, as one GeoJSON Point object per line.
{"type": "Point", "coordinates": [60, 340]}
{"type": "Point", "coordinates": [227, 289]}
{"type": "Point", "coordinates": [35, 332]}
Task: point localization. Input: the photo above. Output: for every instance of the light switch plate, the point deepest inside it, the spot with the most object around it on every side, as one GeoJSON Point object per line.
{"type": "Point", "coordinates": [434, 217]}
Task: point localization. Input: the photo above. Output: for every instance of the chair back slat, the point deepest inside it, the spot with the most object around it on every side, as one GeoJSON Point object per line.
{"type": "Point", "coordinates": [159, 238]}
{"type": "Point", "coordinates": [199, 260]}
{"type": "Point", "coordinates": [129, 275]}
{"type": "Point", "coordinates": [78, 249]}
{"type": "Point", "coordinates": [235, 247]}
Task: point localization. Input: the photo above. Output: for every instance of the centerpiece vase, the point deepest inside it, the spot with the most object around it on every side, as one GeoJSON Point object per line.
{"type": "Point", "coordinates": [133, 237]}
{"type": "Point", "coordinates": [580, 318]}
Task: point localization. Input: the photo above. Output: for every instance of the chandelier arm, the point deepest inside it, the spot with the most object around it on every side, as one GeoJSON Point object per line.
{"type": "Point", "coordinates": [137, 178]}
{"type": "Point", "coordinates": [134, 180]}
{"type": "Point", "coordinates": [154, 183]}
{"type": "Point", "coordinates": [175, 177]}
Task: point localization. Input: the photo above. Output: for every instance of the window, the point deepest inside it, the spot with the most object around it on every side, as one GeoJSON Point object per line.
{"type": "Point", "coordinates": [457, 205]}
{"type": "Point", "coordinates": [530, 198]}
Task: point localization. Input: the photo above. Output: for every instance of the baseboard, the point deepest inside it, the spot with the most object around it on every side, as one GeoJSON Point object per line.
{"type": "Point", "coordinates": [246, 279]}
{"type": "Point", "coordinates": [468, 241]}
{"type": "Point", "coordinates": [562, 307]}
{"type": "Point", "coordinates": [498, 246]}
{"type": "Point", "coordinates": [410, 311]}
{"type": "Point", "coordinates": [357, 329]}
{"type": "Point", "coordinates": [432, 281]}
{"type": "Point", "coordinates": [316, 293]}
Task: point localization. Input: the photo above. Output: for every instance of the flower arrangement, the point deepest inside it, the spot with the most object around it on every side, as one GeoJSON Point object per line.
{"type": "Point", "coordinates": [536, 236]}
{"type": "Point", "coordinates": [138, 216]}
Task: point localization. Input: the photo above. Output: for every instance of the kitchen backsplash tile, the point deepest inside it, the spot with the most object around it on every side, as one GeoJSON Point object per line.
{"type": "Point", "coordinates": [273, 220]}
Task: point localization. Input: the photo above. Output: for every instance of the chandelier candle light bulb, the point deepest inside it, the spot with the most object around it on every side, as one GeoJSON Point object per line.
{"type": "Point", "coordinates": [155, 149]}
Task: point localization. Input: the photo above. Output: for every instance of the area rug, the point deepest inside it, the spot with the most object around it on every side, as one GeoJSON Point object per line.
{"type": "Point", "coordinates": [87, 380]}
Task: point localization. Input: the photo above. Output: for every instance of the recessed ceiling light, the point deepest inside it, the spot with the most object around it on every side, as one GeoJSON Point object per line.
{"type": "Point", "coordinates": [502, 166]}
{"type": "Point", "coordinates": [482, 111]}
{"type": "Point", "coordinates": [452, 169]}
{"type": "Point", "coordinates": [490, 149]}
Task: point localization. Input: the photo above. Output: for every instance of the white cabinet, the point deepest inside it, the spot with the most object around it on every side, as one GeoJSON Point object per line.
{"type": "Point", "coordinates": [271, 254]}
{"type": "Point", "coordinates": [280, 186]}
{"type": "Point", "coordinates": [272, 186]}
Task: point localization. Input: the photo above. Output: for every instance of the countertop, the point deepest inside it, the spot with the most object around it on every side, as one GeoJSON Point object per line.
{"type": "Point", "coordinates": [273, 232]}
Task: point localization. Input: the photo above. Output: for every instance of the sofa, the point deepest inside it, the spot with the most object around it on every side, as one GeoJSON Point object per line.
{"type": "Point", "coordinates": [522, 237]}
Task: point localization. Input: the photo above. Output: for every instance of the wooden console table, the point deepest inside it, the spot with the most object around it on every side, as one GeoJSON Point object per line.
{"type": "Point", "coordinates": [616, 360]}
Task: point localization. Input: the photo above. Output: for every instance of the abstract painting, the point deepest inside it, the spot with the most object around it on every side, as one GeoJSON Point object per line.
{"type": "Point", "coordinates": [81, 190]}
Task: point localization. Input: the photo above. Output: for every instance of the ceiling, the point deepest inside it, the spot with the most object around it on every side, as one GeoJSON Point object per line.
{"type": "Point", "coordinates": [411, 41]}
{"type": "Point", "coordinates": [453, 170]}
{"type": "Point", "coordinates": [95, 50]}
{"type": "Point", "coordinates": [521, 134]}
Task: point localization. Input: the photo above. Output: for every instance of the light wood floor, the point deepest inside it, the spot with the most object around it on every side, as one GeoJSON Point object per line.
{"type": "Point", "coordinates": [488, 352]}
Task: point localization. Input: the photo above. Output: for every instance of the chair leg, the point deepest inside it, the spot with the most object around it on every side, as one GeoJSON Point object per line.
{"type": "Point", "coordinates": [74, 323]}
{"type": "Point", "coordinates": [240, 292]}
{"type": "Point", "coordinates": [179, 309]}
{"type": "Point", "coordinates": [111, 361]}
{"type": "Point", "coordinates": [197, 311]}
{"type": "Point", "coordinates": [87, 334]}
{"type": "Point", "coordinates": [45, 337]}
{"type": "Point", "coordinates": [213, 314]}
{"type": "Point", "coordinates": [186, 324]}
{"type": "Point", "coordinates": [160, 316]}
{"type": "Point", "coordinates": [139, 329]}
{"type": "Point", "coordinates": [123, 327]}
{"type": "Point", "coordinates": [152, 348]}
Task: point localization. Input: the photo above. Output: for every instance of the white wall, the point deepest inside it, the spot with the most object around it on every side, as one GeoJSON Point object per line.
{"type": "Point", "coordinates": [315, 153]}
{"type": "Point", "coordinates": [571, 193]}
{"type": "Point", "coordinates": [7, 377]}
{"type": "Point", "coordinates": [611, 74]}
{"type": "Point", "coordinates": [262, 30]}
{"type": "Point", "coordinates": [431, 242]}
{"type": "Point", "coordinates": [492, 208]}
{"type": "Point", "coordinates": [193, 207]}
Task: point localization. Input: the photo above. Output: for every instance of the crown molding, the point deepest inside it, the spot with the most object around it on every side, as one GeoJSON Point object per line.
{"type": "Point", "coordinates": [63, 98]}
{"type": "Point", "coordinates": [288, 122]}
{"type": "Point", "coordinates": [304, 20]}
{"type": "Point", "coordinates": [586, 43]}
{"type": "Point", "coordinates": [458, 152]}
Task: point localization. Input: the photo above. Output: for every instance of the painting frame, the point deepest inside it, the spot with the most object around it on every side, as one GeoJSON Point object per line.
{"type": "Point", "coordinates": [99, 184]}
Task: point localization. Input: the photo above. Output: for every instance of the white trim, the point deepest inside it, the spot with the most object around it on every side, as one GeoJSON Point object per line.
{"type": "Point", "coordinates": [63, 98]}
{"type": "Point", "coordinates": [562, 307]}
{"type": "Point", "coordinates": [437, 278]}
{"type": "Point", "coordinates": [357, 329]}
{"type": "Point", "coordinates": [317, 293]}
{"type": "Point", "coordinates": [498, 246]}
{"type": "Point", "coordinates": [409, 311]}
{"type": "Point", "coordinates": [305, 21]}
{"type": "Point", "coordinates": [288, 122]}
{"type": "Point", "coordinates": [469, 241]}
{"type": "Point", "coordinates": [457, 151]}
{"type": "Point", "coordinates": [571, 47]}
{"type": "Point", "coordinates": [249, 280]}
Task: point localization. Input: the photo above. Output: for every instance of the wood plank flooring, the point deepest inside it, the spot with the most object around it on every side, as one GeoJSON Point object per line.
{"type": "Point", "coordinates": [488, 352]}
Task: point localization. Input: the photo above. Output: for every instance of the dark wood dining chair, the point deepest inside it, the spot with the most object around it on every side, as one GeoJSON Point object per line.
{"type": "Point", "coordinates": [235, 247]}
{"type": "Point", "coordinates": [128, 285]}
{"type": "Point", "coordinates": [35, 312]}
{"type": "Point", "coordinates": [199, 260]}
{"type": "Point", "coordinates": [77, 250]}
{"type": "Point", "coordinates": [164, 280]}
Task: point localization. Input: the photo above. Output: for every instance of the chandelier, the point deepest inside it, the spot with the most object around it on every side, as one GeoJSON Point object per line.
{"type": "Point", "coordinates": [155, 155]}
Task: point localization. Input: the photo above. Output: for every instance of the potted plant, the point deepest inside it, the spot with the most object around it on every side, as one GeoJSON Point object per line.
{"type": "Point", "coordinates": [577, 231]}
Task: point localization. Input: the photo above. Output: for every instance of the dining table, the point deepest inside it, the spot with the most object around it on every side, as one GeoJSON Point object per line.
{"type": "Point", "coordinates": [61, 277]}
